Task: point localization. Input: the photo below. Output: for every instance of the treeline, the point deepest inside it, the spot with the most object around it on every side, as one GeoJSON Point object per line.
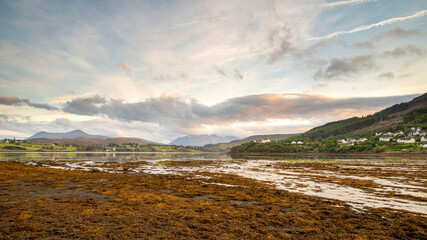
{"type": "Point", "coordinates": [325, 146]}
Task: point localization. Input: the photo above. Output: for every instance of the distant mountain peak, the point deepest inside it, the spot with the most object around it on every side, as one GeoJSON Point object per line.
{"type": "Point", "coordinates": [78, 131]}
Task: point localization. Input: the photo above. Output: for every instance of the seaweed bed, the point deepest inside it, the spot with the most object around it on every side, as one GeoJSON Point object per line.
{"type": "Point", "coordinates": [37, 202]}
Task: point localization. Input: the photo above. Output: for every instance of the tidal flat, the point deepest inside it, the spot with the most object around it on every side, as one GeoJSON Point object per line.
{"type": "Point", "coordinates": [211, 197]}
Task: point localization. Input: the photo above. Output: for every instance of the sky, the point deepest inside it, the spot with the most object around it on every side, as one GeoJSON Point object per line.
{"type": "Point", "coordinates": [159, 70]}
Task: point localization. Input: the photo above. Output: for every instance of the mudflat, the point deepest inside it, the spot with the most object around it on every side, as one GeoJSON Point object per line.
{"type": "Point", "coordinates": [49, 203]}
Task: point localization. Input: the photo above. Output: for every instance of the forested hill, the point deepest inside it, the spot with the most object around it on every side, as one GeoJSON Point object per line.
{"type": "Point", "coordinates": [413, 111]}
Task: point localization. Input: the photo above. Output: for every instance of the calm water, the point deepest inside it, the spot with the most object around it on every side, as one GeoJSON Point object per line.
{"type": "Point", "coordinates": [398, 183]}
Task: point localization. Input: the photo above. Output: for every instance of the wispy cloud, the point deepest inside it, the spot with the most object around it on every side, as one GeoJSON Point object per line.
{"type": "Point", "coordinates": [236, 75]}
{"type": "Point", "coordinates": [387, 76]}
{"type": "Point", "coordinates": [345, 67]}
{"type": "Point", "coordinates": [15, 101]}
{"type": "Point", "coordinates": [350, 2]}
{"type": "Point", "coordinates": [398, 32]}
{"type": "Point", "coordinates": [124, 68]}
{"type": "Point", "coordinates": [378, 24]}
{"type": "Point", "coordinates": [407, 51]}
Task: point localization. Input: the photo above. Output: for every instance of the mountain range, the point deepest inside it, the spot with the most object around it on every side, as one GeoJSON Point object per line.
{"type": "Point", "coordinates": [67, 135]}
{"type": "Point", "coordinates": [81, 138]}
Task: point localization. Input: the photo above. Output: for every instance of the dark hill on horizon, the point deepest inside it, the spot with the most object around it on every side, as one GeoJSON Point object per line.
{"type": "Point", "coordinates": [67, 135]}
{"type": "Point", "coordinates": [200, 140]}
{"type": "Point", "coordinates": [78, 137]}
{"type": "Point", "coordinates": [389, 117]}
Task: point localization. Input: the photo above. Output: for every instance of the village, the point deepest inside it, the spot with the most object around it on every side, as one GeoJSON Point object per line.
{"type": "Point", "coordinates": [414, 135]}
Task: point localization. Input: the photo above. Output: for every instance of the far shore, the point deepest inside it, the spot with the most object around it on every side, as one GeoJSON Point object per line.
{"type": "Point", "coordinates": [385, 154]}
{"type": "Point", "coordinates": [397, 154]}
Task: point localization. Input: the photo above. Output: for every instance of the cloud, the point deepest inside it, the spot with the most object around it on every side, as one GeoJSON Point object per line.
{"type": "Point", "coordinates": [85, 105]}
{"type": "Point", "coordinates": [407, 51]}
{"type": "Point", "coordinates": [163, 77]}
{"type": "Point", "coordinates": [350, 2]}
{"type": "Point", "coordinates": [280, 43]}
{"type": "Point", "coordinates": [15, 101]}
{"type": "Point", "coordinates": [387, 75]}
{"type": "Point", "coordinates": [125, 68]}
{"type": "Point", "coordinates": [378, 24]}
{"type": "Point", "coordinates": [345, 67]}
{"type": "Point", "coordinates": [235, 76]}
{"type": "Point", "coordinates": [364, 44]}
{"type": "Point", "coordinates": [182, 114]}
{"type": "Point", "coordinates": [398, 32]}
{"type": "Point", "coordinates": [220, 71]}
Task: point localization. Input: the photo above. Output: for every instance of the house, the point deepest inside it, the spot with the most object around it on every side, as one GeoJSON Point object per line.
{"type": "Point", "coordinates": [389, 134]}
{"type": "Point", "coordinates": [406, 140]}
{"type": "Point", "coordinates": [362, 139]}
{"type": "Point", "coordinates": [293, 142]}
{"type": "Point", "coordinates": [423, 139]}
{"type": "Point", "coordinates": [342, 141]}
{"type": "Point", "coordinates": [351, 140]}
{"type": "Point", "coordinates": [265, 141]}
{"type": "Point", "coordinates": [299, 142]}
{"type": "Point", "coordinates": [378, 134]}
{"type": "Point", "coordinates": [398, 133]}
{"type": "Point", "coordinates": [411, 133]}
{"type": "Point", "coordinates": [423, 134]}
{"type": "Point", "coordinates": [423, 145]}
{"type": "Point", "coordinates": [385, 139]}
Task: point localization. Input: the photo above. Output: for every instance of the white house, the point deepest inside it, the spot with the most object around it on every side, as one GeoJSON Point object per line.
{"type": "Point", "coordinates": [362, 139]}
{"type": "Point", "coordinates": [342, 141]}
{"type": "Point", "coordinates": [423, 139]}
{"type": "Point", "coordinates": [406, 140]}
{"type": "Point", "coordinates": [377, 134]}
{"type": "Point", "coordinates": [423, 145]}
{"type": "Point", "coordinates": [389, 134]}
{"type": "Point", "coordinates": [293, 142]}
{"type": "Point", "coordinates": [299, 142]}
{"type": "Point", "coordinates": [398, 133]}
{"type": "Point", "coordinates": [265, 141]}
{"type": "Point", "coordinates": [423, 134]}
{"type": "Point", "coordinates": [385, 139]}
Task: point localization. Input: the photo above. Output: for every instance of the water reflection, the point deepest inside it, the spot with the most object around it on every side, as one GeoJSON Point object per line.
{"type": "Point", "coordinates": [107, 156]}
{"type": "Point", "coordinates": [126, 156]}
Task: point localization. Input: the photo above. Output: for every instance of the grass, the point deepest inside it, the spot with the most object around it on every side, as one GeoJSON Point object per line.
{"type": "Point", "coordinates": [43, 203]}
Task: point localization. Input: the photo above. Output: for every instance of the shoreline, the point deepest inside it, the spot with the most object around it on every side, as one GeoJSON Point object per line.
{"type": "Point", "coordinates": [397, 154]}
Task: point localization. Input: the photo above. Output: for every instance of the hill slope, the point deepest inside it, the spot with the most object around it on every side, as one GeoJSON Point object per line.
{"type": "Point", "coordinates": [386, 118]}
{"type": "Point", "coordinates": [199, 140]}
{"type": "Point", "coordinates": [229, 145]}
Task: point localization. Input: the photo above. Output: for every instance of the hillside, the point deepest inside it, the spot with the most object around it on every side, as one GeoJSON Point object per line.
{"type": "Point", "coordinates": [200, 140]}
{"type": "Point", "coordinates": [384, 119]}
{"type": "Point", "coordinates": [67, 135]}
{"type": "Point", "coordinates": [229, 145]}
